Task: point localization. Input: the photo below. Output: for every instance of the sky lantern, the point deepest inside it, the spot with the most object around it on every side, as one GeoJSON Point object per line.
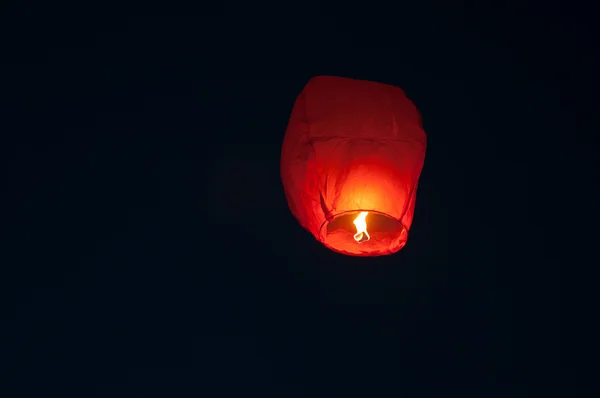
{"type": "Point", "coordinates": [350, 164]}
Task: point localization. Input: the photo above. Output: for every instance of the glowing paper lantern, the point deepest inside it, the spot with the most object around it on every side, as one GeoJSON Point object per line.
{"type": "Point", "coordinates": [350, 164]}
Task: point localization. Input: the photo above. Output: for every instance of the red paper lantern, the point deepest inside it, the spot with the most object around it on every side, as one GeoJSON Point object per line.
{"type": "Point", "coordinates": [350, 164]}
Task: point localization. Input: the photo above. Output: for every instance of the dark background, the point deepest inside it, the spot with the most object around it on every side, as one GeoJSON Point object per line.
{"type": "Point", "coordinates": [150, 252]}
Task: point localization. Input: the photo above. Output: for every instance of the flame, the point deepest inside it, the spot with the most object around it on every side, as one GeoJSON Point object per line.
{"type": "Point", "coordinates": [360, 221]}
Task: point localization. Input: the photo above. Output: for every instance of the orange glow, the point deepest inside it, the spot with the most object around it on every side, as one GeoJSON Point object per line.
{"type": "Point", "coordinates": [353, 149]}
{"type": "Point", "coordinates": [360, 221]}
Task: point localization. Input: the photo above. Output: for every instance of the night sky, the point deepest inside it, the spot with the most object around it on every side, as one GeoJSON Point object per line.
{"type": "Point", "coordinates": [150, 251]}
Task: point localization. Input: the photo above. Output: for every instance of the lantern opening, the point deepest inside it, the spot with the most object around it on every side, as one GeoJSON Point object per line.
{"type": "Point", "coordinates": [360, 232]}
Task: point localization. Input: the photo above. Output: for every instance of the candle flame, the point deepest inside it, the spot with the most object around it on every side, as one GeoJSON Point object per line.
{"type": "Point", "coordinates": [360, 221]}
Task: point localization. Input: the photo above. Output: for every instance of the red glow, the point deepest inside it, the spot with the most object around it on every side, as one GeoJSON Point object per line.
{"type": "Point", "coordinates": [353, 146]}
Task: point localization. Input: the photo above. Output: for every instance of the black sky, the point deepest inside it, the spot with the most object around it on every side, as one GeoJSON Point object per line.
{"type": "Point", "coordinates": [150, 251]}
